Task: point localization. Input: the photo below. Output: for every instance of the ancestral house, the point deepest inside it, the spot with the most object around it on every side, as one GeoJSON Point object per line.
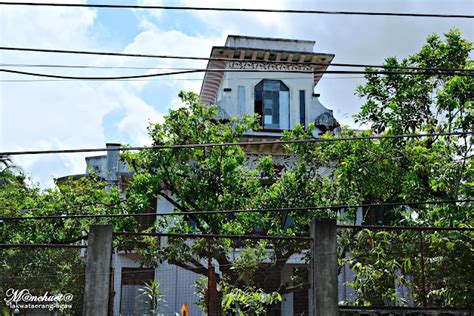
{"type": "Point", "coordinates": [243, 78]}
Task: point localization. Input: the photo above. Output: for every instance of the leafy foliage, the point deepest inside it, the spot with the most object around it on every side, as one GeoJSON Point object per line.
{"type": "Point", "coordinates": [52, 270]}
{"type": "Point", "coordinates": [152, 293]}
{"type": "Point", "coordinates": [249, 301]}
{"type": "Point", "coordinates": [405, 170]}
{"type": "Point", "coordinates": [213, 178]}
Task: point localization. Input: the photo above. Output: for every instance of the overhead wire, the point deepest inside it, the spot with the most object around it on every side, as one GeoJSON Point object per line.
{"type": "Point", "coordinates": [129, 67]}
{"type": "Point", "coordinates": [242, 10]}
{"type": "Point", "coordinates": [35, 74]}
{"type": "Point", "coordinates": [166, 79]}
{"type": "Point", "coordinates": [23, 245]}
{"type": "Point", "coordinates": [212, 236]}
{"type": "Point", "coordinates": [89, 66]}
{"type": "Point", "coordinates": [164, 56]}
{"type": "Point", "coordinates": [365, 72]}
{"type": "Point", "coordinates": [240, 237]}
{"type": "Point", "coordinates": [205, 145]}
{"type": "Point", "coordinates": [220, 212]}
{"type": "Point", "coordinates": [196, 70]}
{"type": "Point", "coordinates": [397, 228]}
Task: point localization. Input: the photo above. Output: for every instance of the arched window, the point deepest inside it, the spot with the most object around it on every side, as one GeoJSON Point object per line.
{"type": "Point", "coordinates": [272, 103]}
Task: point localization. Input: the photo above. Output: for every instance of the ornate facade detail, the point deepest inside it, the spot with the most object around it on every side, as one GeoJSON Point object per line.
{"type": "Point", "coordinates": [281, 162]}
{"type": "Point", "coordinates": [326, 122]}
{"type": "Point", "coordinates": [245, 65]}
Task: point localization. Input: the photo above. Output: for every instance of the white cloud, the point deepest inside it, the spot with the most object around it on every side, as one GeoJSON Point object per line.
{"type": "Point", "coordinates": [154, 40]}
{"type": "Point", "coordinates": [70, 114]}
{"type": "Point", "coordinates": [60, 114]}
{"type": "Point", "coordinates": [158, 14]}
{"type": "Point", "coordinates": [66, 26]}
{"type": "Point", "coordinates": [253, 23]}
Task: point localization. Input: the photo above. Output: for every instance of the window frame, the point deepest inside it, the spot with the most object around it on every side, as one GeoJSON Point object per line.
{"type": "Point", "coordinates": [262, 88]}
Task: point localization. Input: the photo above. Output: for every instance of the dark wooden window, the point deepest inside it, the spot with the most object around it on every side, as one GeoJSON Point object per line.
{"type": "Point", "coordinates": [137, 276]}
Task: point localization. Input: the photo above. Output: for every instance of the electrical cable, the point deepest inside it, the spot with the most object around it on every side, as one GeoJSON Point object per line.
{"type": "Point", "coordinates": [189, 8]}
{"type": "Point", "coordinates": [417, 228]}
{"type": "Point", "coordinates": [41, 246]}
{"type": "Point", "coordinates": [272, 142]}
{"type": "Point", "coordinates": [212, 236]}
{"type": "Point", "coordinates": [365, 72]}
{"type": "Point", "coordinates": [100, 78]}
{"type": "Point", "coordinates": [168, 79]}
{"type": "Point", "coordinates": [219, 212]}
{"type": "Point", "coordinates": [89, 66]}
{"type": "Point", "coordinates": [82, 52]}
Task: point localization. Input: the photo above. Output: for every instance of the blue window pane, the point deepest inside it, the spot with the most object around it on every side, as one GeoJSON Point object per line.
{"type": "Point", "coordinates": [268, 101]}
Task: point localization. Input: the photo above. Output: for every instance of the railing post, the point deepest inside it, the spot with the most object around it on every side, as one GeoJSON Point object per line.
{"type": "Point", "coordinates": [98, 262]}
{"type": "Point", "coordinates": [213, 303]}
{"type": "Point", "coordinates": [324, 292]}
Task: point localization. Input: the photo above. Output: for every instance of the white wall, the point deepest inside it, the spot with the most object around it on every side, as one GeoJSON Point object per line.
{"type": "Point", "coordinates": [270, 43]}
{"type": "Point", "coordinates": [294, 81]}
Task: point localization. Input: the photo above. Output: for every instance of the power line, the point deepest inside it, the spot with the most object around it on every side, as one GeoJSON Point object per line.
{"type": "Point", "coordinates": [365, 72]}
{"type": "Point", "coordinates": [271, 142]}
{"type": "Point", "coordinates": [41, 246]}
{"type": "Point", "coordinates": [240, 237]}
{"type": "Point", "coordinates": [100, 78]}
{"type": "Point", "coordinates": [212, 236]}
{"type": "Point", "coordinates": [218, 212]}
{"type": "Point", "coordinates": [417, 228]}
{"type": "Point", "coordinates": [89, 66]}
{"type": "Point", "coordinates": [115, 54]}
{"type": "Point", "coordinates": [129, 67]}
{"type": "Point", "coordinates": [242, 10]}
{"type": "Point", "coordinates": [167, 79]}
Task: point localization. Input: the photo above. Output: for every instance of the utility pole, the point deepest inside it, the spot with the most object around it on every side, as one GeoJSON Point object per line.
{"type": "Point", "coordinates": [324, 284]}
{"type": "Point", "coordinates": [98, 262]}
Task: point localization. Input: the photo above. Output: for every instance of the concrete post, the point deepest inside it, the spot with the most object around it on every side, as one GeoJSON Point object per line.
{"type": "Point", "coordinates": [324, 268]}
{"type": "Point", "coordinates": [98, 260]}
{"type": "Point", "coordinates": [112, 162]}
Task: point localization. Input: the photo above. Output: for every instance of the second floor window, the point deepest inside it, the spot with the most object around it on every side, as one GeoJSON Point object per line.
{"type": "Point", "coordinates": [272, 103]}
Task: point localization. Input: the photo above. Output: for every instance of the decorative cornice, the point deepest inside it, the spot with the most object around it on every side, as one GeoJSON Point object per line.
{"type": "Point", "coordinates": [242, 65]}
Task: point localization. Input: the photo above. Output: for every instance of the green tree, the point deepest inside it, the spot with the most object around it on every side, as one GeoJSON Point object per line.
{"type": "Point", "coordinates": [404, 170]}
{"type": "Point", "coordinates": [204, 179]}
{"type": "Point", "coordinates": [390, 170]}
{"type": "Point", "coordinates": [54, 270]}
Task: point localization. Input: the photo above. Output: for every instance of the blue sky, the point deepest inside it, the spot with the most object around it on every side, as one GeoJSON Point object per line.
{"type": "Point", "coordinates": [73, 114]}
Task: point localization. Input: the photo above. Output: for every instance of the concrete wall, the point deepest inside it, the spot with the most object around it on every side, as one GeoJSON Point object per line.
{"type": "Point", "coordinates": [106, 167]}
{"type": "Point", "coordinates": [249, 80]}
{"type": "Point", "coordinates": [270, 43]}
{"type": "Point", "coordinates": [228, 100]}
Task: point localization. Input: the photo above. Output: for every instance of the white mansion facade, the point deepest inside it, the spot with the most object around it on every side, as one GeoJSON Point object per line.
{"type": "Point", "coordinates": [247, 75]}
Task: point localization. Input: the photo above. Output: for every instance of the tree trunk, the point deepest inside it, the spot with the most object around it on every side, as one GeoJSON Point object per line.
{"type": "Point", "coordinates": [212, 296]}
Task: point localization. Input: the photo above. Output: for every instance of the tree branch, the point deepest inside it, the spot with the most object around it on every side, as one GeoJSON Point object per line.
{"type": "Point", "coordinates": [182, 209]}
